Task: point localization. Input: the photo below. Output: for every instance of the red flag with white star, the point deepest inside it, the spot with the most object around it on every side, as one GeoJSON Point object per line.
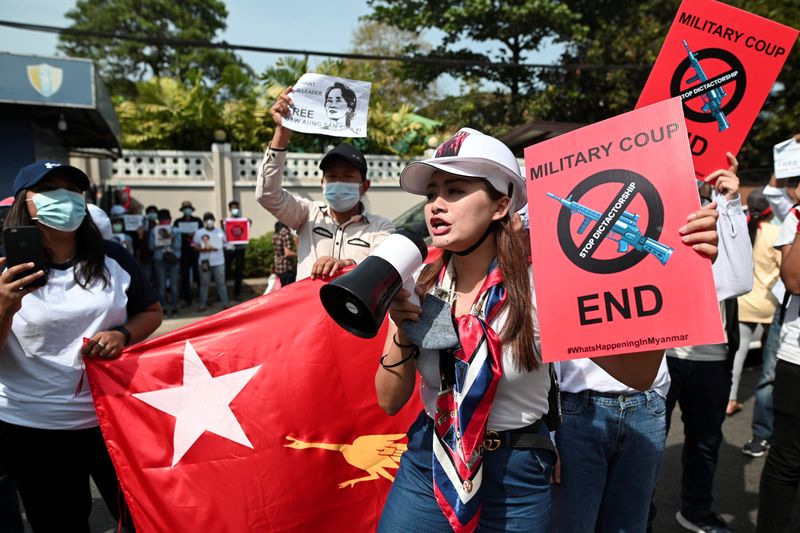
{"type": "Point", "coordinates": [260, 418]}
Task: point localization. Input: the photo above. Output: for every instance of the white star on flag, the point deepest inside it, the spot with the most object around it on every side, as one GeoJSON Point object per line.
{"type": "Point", "coordinates": [201, 403]}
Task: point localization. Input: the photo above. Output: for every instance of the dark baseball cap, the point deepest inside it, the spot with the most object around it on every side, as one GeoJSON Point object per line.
{"type": "Point", "coordinates": [32, 174]}
{"type": "Point", "coordinates": [350, 154]}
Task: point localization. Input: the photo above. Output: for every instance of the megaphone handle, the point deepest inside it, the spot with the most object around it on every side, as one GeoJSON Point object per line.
{"type": "Point", "coordinates": [411, 286]}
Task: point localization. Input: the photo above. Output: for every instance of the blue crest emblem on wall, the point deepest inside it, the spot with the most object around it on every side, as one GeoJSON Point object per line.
{"type": "Point", "coordinates": [45, 78]}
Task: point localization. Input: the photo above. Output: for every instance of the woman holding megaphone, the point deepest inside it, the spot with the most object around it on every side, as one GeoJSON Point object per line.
{"type": "Point", "coordinates": [480, 454]}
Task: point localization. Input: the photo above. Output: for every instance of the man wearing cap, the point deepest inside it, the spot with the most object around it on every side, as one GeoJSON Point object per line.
{"type": "Point", "coordinates": [186, 226]}
{"type": "Point", "coordinates": [331, 234]}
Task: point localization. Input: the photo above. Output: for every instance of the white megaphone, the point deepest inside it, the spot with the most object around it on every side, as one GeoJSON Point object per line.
{"type": "Point", "coordinates": [358, 300]}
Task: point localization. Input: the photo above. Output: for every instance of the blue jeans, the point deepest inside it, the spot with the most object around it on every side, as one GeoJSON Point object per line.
{"type": "Point", "coordinates": [762, 410]}
{"type": "Point", "coordinates": [516, 489]}
{"type": "Point", "coordinates": [610, 449]}
{"type": "Point", "coordinates": [166, 271]}
{"type": "Point", "coordinates": [701, 388]}
{"type": "Point", "coordinates": [218, 273]}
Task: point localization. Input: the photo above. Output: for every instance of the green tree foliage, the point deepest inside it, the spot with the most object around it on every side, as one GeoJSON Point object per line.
{"type": "Point", "coordinates": [122, 63]}
{"type": "Point", "coordinates": [633, 33]}
{"type": "Point", "coordinates": [594, 32]}
{"type": "Point", "coordinates": [512, 28]}
{"type": "Point", "coordinates": [389, 84]}
{"type": "Point", "coordinates": [613, 33]}
{"type": "Point", "coordinates": [778, 119]}
{"type": "Point", "coordinates": [168, 113]}
{"type": "Point", "coordinates": [259, 257]}
{"type": "Point", "coordinates": [392, 128]}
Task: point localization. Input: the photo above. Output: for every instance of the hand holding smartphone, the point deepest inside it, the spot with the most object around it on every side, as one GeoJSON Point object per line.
{"type": "Point", "coordinates": [23, 244]}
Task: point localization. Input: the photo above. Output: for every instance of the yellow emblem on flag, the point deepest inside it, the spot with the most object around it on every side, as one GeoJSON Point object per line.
{"type": "Point", "coordinates": [45, 78]}
{"type": "Point", "coordinates": [371, 453]}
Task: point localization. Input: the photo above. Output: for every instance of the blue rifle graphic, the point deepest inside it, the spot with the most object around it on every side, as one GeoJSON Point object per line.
{"type": "Point", "coordinates": [712, 100]}
{"type": "Point", "coordinates": [625, 228]}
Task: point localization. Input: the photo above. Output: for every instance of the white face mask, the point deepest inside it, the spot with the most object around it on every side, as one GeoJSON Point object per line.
{"type": "Point", "coordinates": [59, 209]}
{"type": "Point", "coordinates": [209, 224]}
{"type": "Point", "coordinates": [341, 196]}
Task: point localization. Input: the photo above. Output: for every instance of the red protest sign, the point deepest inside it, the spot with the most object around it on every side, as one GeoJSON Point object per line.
{"type": "Point", "coordinates": [610, 271]}
{"type": "Point", "coordinates": [722, 62]}
{"type": "Point", "coordinates": [252, 419]}
{"type": "Point", "coordinates": [237, 230]}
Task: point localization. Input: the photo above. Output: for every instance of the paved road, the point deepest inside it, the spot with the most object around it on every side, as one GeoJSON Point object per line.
{"type": "Point", "coordinates": [736, 483]}
{"type": "Point", "coordinates": [737, 477]}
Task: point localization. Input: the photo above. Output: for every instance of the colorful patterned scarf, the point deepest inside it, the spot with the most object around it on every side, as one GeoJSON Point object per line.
{"type": "Point", "coordinates": [469, 382]}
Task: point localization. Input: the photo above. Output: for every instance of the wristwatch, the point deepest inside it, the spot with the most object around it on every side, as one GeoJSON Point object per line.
{"type": "Point", "coordinates": [122, 329]}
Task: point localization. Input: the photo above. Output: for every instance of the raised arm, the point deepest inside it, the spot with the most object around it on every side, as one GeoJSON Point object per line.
{"type": "Point", "coordinates": [286, 207]}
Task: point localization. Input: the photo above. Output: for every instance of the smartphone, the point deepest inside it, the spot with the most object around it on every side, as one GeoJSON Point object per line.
{"type": "Point", "coordinates": [23, 244]}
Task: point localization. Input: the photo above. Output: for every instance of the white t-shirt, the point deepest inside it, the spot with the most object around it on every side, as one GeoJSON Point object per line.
{"type": "Point", "coordinates": [789, 348]}
{"type": "Point", "coordinates": [579, 375]}
{"type": "Point", "coordinates": [521, 397]}
{"type": "Point", "coordinates": [215, 238]}
{"type": "Point", "coordinates": [41, 365]}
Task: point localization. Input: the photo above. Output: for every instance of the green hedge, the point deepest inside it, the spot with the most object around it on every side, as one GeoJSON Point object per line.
{"type": "Point", "coordinates": [258, 259]}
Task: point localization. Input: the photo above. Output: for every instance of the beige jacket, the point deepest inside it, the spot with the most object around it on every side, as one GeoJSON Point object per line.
{"type": "Point", "coordinates": [318, 233]}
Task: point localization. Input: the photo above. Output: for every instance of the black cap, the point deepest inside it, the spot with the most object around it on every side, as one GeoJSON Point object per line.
{"type": "Point", "coordinates": [350, 154]}
{"type": "Point", "coordinates": [208, 216]}
{"type": "Point", "coordinates": [32, 174]}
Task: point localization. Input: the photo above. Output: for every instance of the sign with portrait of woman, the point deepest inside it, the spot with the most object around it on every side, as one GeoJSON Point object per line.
{"type": "Point", "coordinates": [329, 105]}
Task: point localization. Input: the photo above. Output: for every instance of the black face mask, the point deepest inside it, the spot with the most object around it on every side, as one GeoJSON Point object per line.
{"type": "Point", "coordinates": [704, 201]}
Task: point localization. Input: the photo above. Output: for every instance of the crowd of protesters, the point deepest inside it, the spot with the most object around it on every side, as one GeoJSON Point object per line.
{"type": "Point", "coordinates": [595, 447]}
{"type": "Point", "coordinates": [182, 255]}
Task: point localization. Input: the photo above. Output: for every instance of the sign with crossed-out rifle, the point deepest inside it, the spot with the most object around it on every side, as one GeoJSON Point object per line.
{"type": "Point", "coordinates": [611, 272]}
{"type": "Point", "coordinates": [722, 62]}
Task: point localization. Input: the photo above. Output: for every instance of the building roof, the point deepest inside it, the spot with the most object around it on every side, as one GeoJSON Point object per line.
{"type": "Point", "coordinates": [49, 91]}
{"type": "Point", "coordinates": [534, 132]}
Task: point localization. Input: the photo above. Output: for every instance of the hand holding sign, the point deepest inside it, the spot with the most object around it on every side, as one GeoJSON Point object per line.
{"type": "Point", "coordinates": [700, 231]}
{"type": "Point", "coordinates": [282, 107]}
{"type": "Point", "coordinates": [726, 182]}
{"type": "Point", "coordinates": [324, 104]}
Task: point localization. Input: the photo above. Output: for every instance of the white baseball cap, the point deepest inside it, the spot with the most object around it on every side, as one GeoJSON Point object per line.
{"type": "Point", "coordinates": [471, 154]}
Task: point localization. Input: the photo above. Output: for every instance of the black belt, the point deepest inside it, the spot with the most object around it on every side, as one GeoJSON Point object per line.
{"type": "Point", "coordinates": [527, 437]}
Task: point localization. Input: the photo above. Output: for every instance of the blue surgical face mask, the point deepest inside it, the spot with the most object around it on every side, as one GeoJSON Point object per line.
{"type": "Point", "coordinates": [235, 212]}
{"type": "Point", "coordinates": [152, 216]}
{"type": "Point", "coordinates": [59, 209]}
{"type": "Point", "coordinates": [341, 196]}
{"type": "Point", "coordinates": [187, 211]}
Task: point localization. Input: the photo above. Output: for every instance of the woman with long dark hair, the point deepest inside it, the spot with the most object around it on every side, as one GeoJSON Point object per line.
{"type": "Point", "coordinates": [93, 303]}
{"type": "Point", "coordinates": [479, 455]}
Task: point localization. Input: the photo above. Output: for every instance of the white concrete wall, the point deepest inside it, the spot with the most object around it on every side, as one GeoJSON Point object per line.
{"type": "Point", "coordinates": [210, 180]}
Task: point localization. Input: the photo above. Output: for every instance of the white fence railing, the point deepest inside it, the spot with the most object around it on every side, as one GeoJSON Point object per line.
{"type": "Point", "coordinates": [176, 166]}
{"type": "Point", "coordinates": [163, 164]}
